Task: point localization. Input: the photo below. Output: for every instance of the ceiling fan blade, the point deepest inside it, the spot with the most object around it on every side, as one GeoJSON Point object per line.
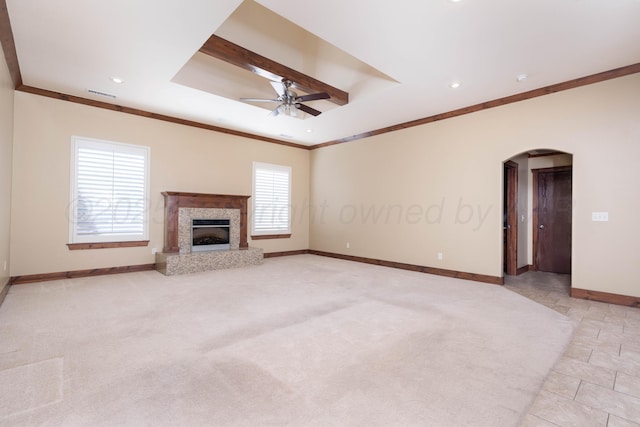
{"type": "Point", "coordinates": [258, 100]}
{"type": "Point", "coordinates": [308, 109]}
{"type": "Point", "coordinates": [278, 87]}
{"type": "Point", "coordinates": [313, 97]}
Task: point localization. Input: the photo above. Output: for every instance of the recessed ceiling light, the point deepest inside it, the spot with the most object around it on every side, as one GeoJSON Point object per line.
{"type": "Point", "coordinates": [455, 85]}
{"type": "Point", "coordinates": [522, 77]}
{"type": "Point", "coordinates": [116, 80]}
{"type": "Point", "coordinates": [309, 130]}
{"type": "Point", "coordinates": [455, 1]}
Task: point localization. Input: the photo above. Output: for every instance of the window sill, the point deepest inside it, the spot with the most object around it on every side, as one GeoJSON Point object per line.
{"type": "Point", "coordinates": [271, 236]}
{"type": "Point", "coordinates": [105, 245]}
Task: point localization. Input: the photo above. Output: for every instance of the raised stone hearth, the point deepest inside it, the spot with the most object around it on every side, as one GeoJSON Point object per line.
{"type": "Point", "coordinates": [172, 264]}
{"type": "Point", "coordinates": [180, 209]}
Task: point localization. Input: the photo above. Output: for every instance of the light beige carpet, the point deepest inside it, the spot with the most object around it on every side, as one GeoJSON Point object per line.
{"type": "Point", "coordinates": [298, 341]}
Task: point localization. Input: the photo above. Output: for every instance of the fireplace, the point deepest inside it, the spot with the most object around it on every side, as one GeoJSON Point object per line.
{"type": "Point", "coordinates": [226, 214]}
{"type": "Point", "coordinates": [210, 234]}
{"type": "Point", "coordinates": [181, 208]}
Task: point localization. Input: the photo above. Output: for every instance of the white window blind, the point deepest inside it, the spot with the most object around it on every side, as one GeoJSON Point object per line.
{"type": "Point", "coordinates": [271, 199]}
{"type": "Point", "coordinates": [109, 186]}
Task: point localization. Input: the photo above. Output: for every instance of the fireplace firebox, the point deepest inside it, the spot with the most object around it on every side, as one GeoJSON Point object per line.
{"type": "Point", "coordinates": [210, 234]}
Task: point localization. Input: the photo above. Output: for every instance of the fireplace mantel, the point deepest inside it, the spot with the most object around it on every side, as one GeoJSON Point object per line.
{"type": "Point", "coordinates": [173, 201]}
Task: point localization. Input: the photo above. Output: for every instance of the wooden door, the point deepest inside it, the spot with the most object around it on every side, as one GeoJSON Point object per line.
{"type": "Point", "coordinates": [510, 224]}
{"type": "Point", "coordinates": [552, 209]}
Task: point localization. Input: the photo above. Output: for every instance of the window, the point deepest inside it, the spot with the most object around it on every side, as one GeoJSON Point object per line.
{"type": "Point", "coordinates": [271, 199]}
{"type": "Point", "coordinates": [109, 191]}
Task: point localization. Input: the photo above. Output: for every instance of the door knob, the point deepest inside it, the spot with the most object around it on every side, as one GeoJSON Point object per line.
{"type": "Point", "coordinates": [541, 226]}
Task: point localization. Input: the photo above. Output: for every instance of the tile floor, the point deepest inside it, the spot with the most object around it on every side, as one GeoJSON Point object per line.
{"type": "Point", "coordinates": [597, 380]}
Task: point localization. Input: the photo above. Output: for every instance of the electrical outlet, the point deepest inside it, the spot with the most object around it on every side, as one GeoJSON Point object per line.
{"type": "Point", "coordinates": [4, 266]}
{"type": "Point", "coordinates": [439, 256]}
{"type": "Point", "coordinates": [348, 245]}
{"type": "Point", "coordinates": [154, 251]}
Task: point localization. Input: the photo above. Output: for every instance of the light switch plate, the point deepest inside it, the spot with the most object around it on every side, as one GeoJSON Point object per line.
{"type": "Point", "coordinates": [599, 216]}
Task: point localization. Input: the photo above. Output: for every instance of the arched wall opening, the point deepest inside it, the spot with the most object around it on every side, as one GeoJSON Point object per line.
{"type": "Point", "coordinates": [536, 212]}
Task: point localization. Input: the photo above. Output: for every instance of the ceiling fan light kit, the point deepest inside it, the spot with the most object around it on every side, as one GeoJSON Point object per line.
{"type": "Point", "coordinates": [289, 100]}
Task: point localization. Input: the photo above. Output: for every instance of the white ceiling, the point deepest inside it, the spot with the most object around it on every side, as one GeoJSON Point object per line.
{"type": "Point", "coordinates": [396, 59]}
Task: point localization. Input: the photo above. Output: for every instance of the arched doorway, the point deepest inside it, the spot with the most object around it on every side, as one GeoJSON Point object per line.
{"type": "Point", "coordinates": [537, 212]}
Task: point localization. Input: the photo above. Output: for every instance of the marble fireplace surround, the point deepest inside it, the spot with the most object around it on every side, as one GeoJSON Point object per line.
{"type": "Point", "coordinates": [186, 215]}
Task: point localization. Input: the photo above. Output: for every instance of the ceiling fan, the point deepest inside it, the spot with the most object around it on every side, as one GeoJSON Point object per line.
{"type": "Point", "coordinates": [289, 101]}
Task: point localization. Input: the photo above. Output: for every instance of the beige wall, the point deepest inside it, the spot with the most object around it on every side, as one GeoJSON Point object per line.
{"type": "Point", "coordinates": [444, 179]}
{"type": "Point", "coordinates": [6, 148]}
{"type": "Point", "coordinates": [182, 159]}
{"type": "Point", "coordinates": [403, 196]}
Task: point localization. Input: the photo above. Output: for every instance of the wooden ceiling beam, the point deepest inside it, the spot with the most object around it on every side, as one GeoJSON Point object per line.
{"type": "Point", "coordinates": [8, 46]}
{"type": "Point", "coordinates": [227, 51]}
